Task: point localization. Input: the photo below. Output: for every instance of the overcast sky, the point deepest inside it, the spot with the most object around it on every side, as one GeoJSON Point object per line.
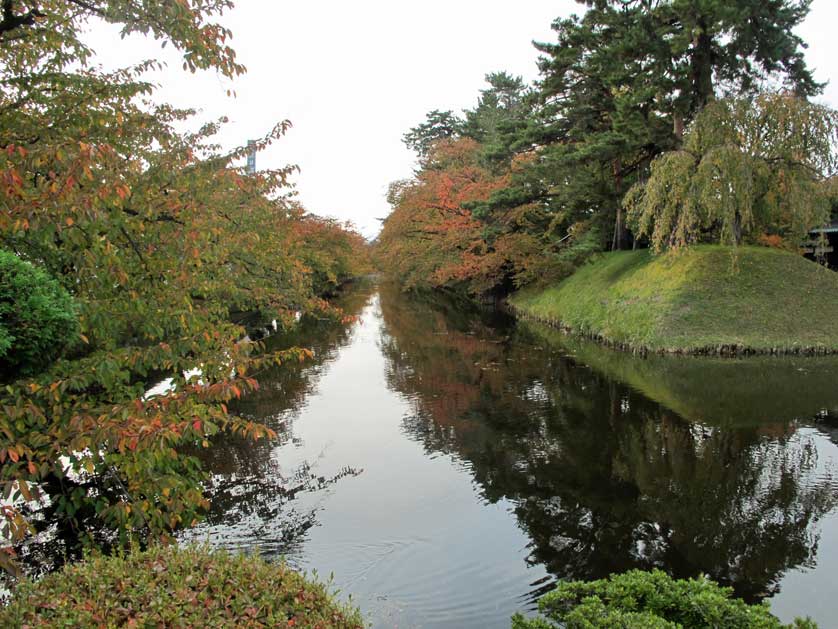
{"type": "Point", "coordinates": [352, 77]}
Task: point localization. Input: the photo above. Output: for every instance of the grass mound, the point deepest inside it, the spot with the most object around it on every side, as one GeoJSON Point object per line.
{"type": "Point", "coordinates": [170, 587]}
{"type": "Point", "coordinates": [701, 300]}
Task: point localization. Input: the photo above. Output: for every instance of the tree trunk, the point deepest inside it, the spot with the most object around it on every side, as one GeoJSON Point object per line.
{"type": "Point", "coordinates": [737, 229]}
{"type": "Point", "coordinates": [678, 126]}
{"type": "Point", "coordinates": [618, 242]}
{"type": "Point", "coordinates": [701, 68]}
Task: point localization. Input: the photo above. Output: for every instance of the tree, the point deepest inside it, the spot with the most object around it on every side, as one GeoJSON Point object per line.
{"type": "Point", "coordinates": [485, 250]}
{"type": "Point", "coordinates": [749, 168]}
{"type": "Point", "coordinates": [617, 89]}
{"type": "Point", "coordinates": [620, 84]}
{"type": "Point", "coordinates": [438, 125]}
{"type": "Point", "coordinates": [46, 33]}
{"type": "Point", "coordinates": [499, 116]}
{"type": "Point", "coordinates": [158, 236]}
{"type": "Point", "coordinates": [333, 252]}
{"type": "Point", "coordinates": [593, 128]}
{"type": "Point", "coordinates": [704, 46]}
{"type": "Point", "coordinates": [431, 239]}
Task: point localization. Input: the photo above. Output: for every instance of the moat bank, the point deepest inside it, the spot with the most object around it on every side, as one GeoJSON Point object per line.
{"type": "Point", "coordinates": [704, 300]}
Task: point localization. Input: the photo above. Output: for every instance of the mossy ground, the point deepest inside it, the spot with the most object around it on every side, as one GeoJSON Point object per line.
{"type": "Point", "coordinates": [705, 299]}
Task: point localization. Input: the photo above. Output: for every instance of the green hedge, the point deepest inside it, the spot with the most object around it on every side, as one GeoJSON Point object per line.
{"type": "Point", "coordinates": [649, 600]}
{"type": "Point", "coordinates": [38, 319]}
{"type": "Point", "coordinates": [171, 587]}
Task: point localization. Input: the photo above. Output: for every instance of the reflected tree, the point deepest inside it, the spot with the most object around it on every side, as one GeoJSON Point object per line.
{"type": "Point", "coordinates": [248, 486]}
{"type": "Point", "coordinates": [604, 479]}
{"type": "Point", "coordinates": [250, 494]}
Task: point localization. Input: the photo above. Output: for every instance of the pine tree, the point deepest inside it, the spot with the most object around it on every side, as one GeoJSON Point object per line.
{"type": "Point", "coordinates": [499, 117]}
{"type": "Point", "coordinates": [622, 82]}
{"type": "Point", "coordinates": [706, 47]}
{"type": "Point", "coordinates": [438, 125]}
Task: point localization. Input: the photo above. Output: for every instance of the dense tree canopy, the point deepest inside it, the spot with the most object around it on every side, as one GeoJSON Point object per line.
{"type": "Point", "coordinates": [618, 88]}
{"type": "Point", "coordinates": [430, 237]}
{"type": "Point", "coordinates": [703, 47]}
{"type": "Point", "coordinates": [160, 238]}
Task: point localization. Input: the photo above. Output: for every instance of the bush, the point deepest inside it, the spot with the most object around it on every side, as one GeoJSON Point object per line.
{"type": "Point", "coordinates": [649, 600]}
{"type": "Point", "coordinates": [171, 587]}
{"type": "Point", "coordinates": [37, 318]}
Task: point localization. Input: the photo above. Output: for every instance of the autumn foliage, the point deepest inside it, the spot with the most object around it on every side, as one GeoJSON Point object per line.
{"type": "Point", "coordinates": [433, 238]}
{"type": "Point", "coordinates": [160, 237]}
{"type": "Point", "coordinates": [615, 146]}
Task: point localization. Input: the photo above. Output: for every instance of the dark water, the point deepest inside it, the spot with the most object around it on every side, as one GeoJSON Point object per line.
{"type": "Point", "coordinates": [448, 466]}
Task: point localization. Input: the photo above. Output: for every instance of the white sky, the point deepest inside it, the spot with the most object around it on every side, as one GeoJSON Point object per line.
{"type": "Point", "coordinates": [353, 77]}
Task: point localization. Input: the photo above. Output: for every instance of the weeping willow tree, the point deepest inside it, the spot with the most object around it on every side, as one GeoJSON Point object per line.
{"type": "Point", "coordinates": [750, 170]}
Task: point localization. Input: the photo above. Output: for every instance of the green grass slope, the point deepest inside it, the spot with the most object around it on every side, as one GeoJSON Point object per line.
{"type": "Point", "coordinates": [701, 300]}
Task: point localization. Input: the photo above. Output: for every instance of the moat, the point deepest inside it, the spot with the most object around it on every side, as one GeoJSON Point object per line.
{"type": "Point", "coordinates": [447, 465]}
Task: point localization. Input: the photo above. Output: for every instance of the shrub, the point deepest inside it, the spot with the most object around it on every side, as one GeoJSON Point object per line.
{"type": "Point", "coordinates": [37, 317]}
{"type": "Point", "coordinates": [171, 587]}
{"type": "Point", "coordinates": [649, 600]}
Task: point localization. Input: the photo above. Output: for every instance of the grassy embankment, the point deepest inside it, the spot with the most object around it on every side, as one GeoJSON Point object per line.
{"type": "Point", "coordinates": [698, 301]}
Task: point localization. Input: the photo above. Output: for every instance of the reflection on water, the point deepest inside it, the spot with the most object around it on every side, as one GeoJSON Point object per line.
{"type": "Point", "coordinates": [259, 497]}
{"type": "Point", "coordinates": [448, 466]}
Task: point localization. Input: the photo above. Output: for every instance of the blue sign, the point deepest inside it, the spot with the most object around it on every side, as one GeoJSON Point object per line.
{"type": "Point", "coordinates": [251, 157]}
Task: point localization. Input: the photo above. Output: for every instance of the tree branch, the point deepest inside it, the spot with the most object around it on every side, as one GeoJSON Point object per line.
{"type": "Point", "coordinates": [11, 21]}
{"type": "Point", "coordinates": [161, 218]}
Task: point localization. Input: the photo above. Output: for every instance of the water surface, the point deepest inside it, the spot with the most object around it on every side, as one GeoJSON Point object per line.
{"type": "Point", "coordinates": [447, 466]}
